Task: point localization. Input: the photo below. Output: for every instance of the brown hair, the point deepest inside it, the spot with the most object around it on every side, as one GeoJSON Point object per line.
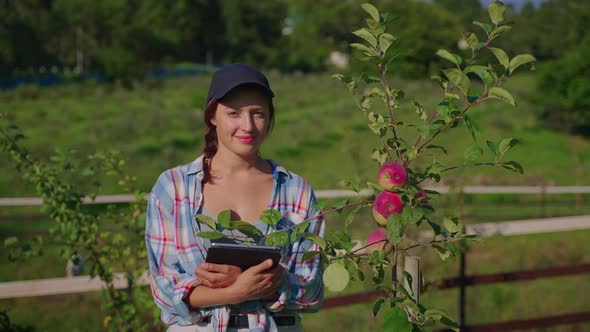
{"type": "Point", "coordinates": [210, 148]}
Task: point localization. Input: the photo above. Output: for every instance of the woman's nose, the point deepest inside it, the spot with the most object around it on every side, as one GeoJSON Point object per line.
{"type": "Point", "coordinates": [247, 122]}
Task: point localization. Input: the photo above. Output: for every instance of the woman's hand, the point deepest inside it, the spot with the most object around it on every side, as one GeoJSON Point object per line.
{"type": "Point", "coordinates": [217, 275]}
{"type": "Point", "coordinates": [258, 282]}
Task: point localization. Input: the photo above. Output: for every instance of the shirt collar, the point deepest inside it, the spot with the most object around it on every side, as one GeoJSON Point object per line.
{"type": "Point", "coordinates": [196, 166]}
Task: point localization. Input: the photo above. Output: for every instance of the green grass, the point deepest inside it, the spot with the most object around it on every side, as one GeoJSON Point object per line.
{"type": "Point", "coordinates": [318, 132]}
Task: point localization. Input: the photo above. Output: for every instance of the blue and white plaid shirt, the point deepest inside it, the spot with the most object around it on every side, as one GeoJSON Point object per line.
{"type": "Point", "coordinates": [174, 252]}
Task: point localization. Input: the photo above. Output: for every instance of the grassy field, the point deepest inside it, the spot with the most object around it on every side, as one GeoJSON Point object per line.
{"type": "Point", "coordinates": [318, 133]}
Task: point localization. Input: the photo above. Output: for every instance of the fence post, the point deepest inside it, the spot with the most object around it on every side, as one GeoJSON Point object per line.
{"type": "Point", "coordinates": [412, 266]}
{"type": "Point", "coordinates": [462, 290]}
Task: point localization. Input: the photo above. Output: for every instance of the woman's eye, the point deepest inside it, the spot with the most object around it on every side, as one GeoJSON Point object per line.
{"type": "Point", "coordinates": [259, 114]}
{"type": "Point", "coordinates": [233, 114]}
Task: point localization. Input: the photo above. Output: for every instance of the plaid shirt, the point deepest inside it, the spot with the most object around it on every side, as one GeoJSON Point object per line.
{"type": "Point", "coordinates": [174, 252]}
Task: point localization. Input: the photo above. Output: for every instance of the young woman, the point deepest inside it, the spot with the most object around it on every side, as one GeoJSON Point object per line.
{"type": "Point", "coordinates": [231, 175]}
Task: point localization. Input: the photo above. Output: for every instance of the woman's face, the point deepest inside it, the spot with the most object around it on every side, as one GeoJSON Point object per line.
{"type": "Point", "coordinates": [241, 120]}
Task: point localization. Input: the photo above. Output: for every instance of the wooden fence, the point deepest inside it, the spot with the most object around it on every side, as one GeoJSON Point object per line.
{"type": "Point", "coordinates": [333, 193]}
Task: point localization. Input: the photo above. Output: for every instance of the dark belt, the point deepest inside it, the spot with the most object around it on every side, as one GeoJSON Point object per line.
{"type": "Point", "coordinates": [240, 321]}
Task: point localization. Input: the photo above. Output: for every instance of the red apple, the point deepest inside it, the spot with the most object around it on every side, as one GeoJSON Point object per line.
{"type": "Point", "coordinates": [392, 174]}
{"type": "Point", "coordinates": [375, 240]}
{"type": "Point", "coordinates": [386, 203]}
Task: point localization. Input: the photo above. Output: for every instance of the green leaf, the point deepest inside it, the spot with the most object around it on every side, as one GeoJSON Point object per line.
{"type": "Point", "coordinates": [348, 185]}
{"type": "Point", "coordinates": [206, 220]}
{"type": "Point", "coordinates": [340, 236]}
{"type": "Point", "coordinates": [502, 94]}
{"type": "Point", "coordinates": [394, 229]}
{"type": "Point", "coordinates": [432, 146]}
{"type": "Point", "coordinates": [444, 253]}
{"type": "Point", "coordinates": [449, 321]}
{"type": "Point", "coordinates": [513, 166]}
{"type": "Point", "coordinates": [336, 277]}
{"type": "Point", "coordinates": [434, 314]}
{"type": "Point", "coordinates": [276, 239]}
{"type": "Point", "coordinates": [409, 279]}
{"type": "Point", "coordinates": [362, 48]}
{"type": "Point", "coordinates": [506, 144]}
{"type": "Point", "coordinates": [453, 225]}
{"type": "Point", "coordinates": [451, 96]}
{"type": "Point", "coordinates": [453, 248]}
{"type": "Point", "coordinates": [377, 306]}
{"type": "Point", "coordinates": [520, 60]}
{"type": "Point", "coordinates": [473, 153]}
{"type": "Point", "coordinates": [454, 58]}
{"type": "Point", "coordinates": [411, 153]}
{"type": "Point", "coordinates": [244, 227]}
{"type": "Point", "coordinates": [315, 239]}
{"type": "Point", "coordinates": [435, 227]}
{"type": "Point", "coordinates": [366, 35]}
{"type": "Point", "coordinates": [472, 126]}
{"type": "Point", "coordinates": [472, 40]}
{"type": "Point", "coordinates": [501, 56]}
{"type": "Point", "coordinates": [10, 241]}
{"type": "Point", "coordinates": [496, 11]}
{"type": "Point", "coordinates": [210, 235]}
{"type": "Point", "coordinates": [309, 255]}
{"type": "Point", "coordinates": [439, 315]}
{"type": "Point", "coordinates": [411, 215]}
{"type": "Point", "coordinates": [375, 186]}
{"type": "Point", "coordinates": [485, 26]}
{"type": "Point", "coordinates": [385, 41]}
{"type": "Point", "coordinates": [379, 155]}
{"type": "Point", "coordinates": [500, 30]}
{"type": "Point", "coordinates": [371, 10]}
{"type": "Point", "coordinates": [295, 232]}
{"type": "Point", "coordinates": [458, 79]}
{"type": "Point", "coordinates": [494, 147]}
{"type": "Point", "coordinates": [483, 73]}
{"type": "Point", "coordinates": [344, 79]}
{"type": "Point", "coordinates": [224, 218]}
{"type": "Point", "coordinates": [270, 216]}
{"type": "Point", "coordinates": [396, 320]}
{"type": "Point", "coordinates": [435, 168]}
{"type": "Point", "coordinates": [424, 130]}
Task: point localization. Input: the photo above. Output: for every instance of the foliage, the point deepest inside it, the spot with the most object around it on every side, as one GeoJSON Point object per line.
{"type": "Point", "coordinates": [342, 263]}
{"type": "Point", "coordinates": [110, 241]}
{"type": "Point", "coordinates": [125, 39]}
{"type": "Point", "coordinates": [550, 31]}
{"type": "Point", "coordinates": [460, 94]}
{"type": "Point", "coordinates": [564, 88]}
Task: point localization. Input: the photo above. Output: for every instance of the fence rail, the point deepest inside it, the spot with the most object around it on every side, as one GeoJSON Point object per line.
{"type": "Point", "coordinates": [334, 193]}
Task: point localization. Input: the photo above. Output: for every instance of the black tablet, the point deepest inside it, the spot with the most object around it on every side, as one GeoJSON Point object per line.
{"type": "Point", "coordinates": [242, 256]}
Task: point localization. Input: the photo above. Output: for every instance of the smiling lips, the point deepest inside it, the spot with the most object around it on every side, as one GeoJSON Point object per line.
{"type": "Point", "coordinates": [246, 139]}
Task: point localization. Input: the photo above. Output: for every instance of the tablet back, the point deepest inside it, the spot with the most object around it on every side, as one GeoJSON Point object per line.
{"type": "Point", "coordinates": [242, 256]}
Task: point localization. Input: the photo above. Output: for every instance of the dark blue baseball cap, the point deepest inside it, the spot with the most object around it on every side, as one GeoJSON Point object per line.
{"type": "Point", "coordinates": [229, 77]}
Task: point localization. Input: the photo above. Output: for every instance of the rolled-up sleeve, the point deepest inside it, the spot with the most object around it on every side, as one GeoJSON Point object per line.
{"type": "Point", "coordinates": [302, 287]}
{"type": "Point", "coordinates": [170, 284]}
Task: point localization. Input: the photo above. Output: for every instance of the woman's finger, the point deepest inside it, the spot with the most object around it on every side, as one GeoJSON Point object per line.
{"type": "Point", "coordinates": [219, 268]}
